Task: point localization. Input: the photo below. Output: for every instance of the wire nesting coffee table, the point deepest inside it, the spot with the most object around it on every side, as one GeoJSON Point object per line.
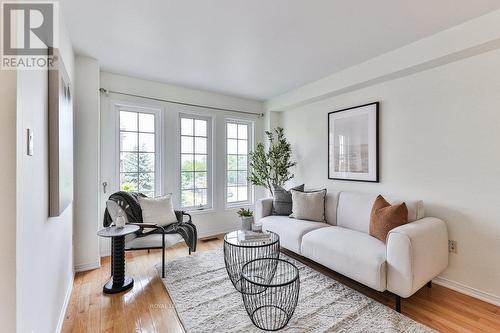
{"type": "Point", "coordinates": [238, 253]}
{"type": "Point", "coordinates": [270, 291]}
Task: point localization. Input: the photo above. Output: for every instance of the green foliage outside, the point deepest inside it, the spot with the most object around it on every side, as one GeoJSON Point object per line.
{"type": "Point", "coordinates": [128, 187]}
{"type": "Point", "coordinates": [196, 165]}
{"type": "Point", "coordinates": [271, 166]}
{"type": "Point", "coordinates": [142, 163]}
{"type": "Point", "coordinates": [194, 179]}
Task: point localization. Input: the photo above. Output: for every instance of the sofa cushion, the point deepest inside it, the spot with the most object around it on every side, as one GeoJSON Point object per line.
{"type": "Point", "coordinates": [386, 217]}
{"type": "Point", "coordinates": [354, 254]}
{"type": "Point", "coordinates": [290, 230]}
{"type": "Point", "coordinates": [282, 199]}
{"type": "Point", "coordinates": [331, 203]}
{"type": "Point", "coordinates": [308, 205]}
{"type": "Point", "coordinates": [354, 209]}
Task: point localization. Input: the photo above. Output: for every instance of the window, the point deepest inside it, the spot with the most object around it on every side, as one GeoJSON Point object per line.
{"type": "Point", "coordinates": [237, 146]}
{"type": "Point", "coordinates": [195, 162]}
{"type": "Point", "coordinates": [138, 152]}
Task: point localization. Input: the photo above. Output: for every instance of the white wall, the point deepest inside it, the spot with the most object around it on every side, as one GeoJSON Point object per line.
{"type": "Point", "coordinates": [87, 154]}
{"type": "Point", "coordinates": [44, 245]}
{"type": "Point", "coordinates": [213, 222]}
{"type": "Point", "coordinates": [439, 135]}
{"type": "Point", "coordinates": [8, 200]}
{"type": "Point", "coordinates": [177, 93]}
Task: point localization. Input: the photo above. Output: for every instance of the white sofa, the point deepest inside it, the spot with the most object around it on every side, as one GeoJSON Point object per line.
{"type": "Point", "coordinates": [413, 255]}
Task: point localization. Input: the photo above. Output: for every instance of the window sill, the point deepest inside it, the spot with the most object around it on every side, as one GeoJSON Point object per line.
{"type": "Point", "coordinates": [194, 211]}
{"type": "Point", "coordinates": [237, 206]}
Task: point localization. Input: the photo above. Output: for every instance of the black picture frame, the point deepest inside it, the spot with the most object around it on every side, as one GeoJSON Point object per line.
{"type": "Point", "coordinates": [376, 128]}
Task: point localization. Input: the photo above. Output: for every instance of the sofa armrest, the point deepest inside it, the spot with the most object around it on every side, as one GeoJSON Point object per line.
{"type": "Point", "coordinates": [416, 253]}
{"type": "Point", "coordinates": [263, 208]}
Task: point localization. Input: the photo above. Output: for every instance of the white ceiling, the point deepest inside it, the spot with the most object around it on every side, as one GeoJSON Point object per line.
{"type": "Point", "coordinates": [252, 48]}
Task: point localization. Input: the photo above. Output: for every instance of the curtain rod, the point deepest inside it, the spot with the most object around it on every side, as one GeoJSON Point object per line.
{"type": "Point", "coordinates": [107, 92]}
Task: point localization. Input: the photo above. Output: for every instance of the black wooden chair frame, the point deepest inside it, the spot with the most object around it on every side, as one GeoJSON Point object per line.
{"type": "Point", "coordinates": [158, 229]}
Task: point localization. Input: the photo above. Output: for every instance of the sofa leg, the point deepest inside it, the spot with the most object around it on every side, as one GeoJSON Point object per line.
{"type": "Point", "coordinates": [398, 303]}
{"type": "Point", "coordinates": [189, 251]}
{"type": "Point", "coordinates": [429, 284]}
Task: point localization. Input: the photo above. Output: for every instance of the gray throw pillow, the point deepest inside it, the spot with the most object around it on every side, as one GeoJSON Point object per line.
{"type": "Point", "coordinates": [309, 205]}
{"type": "Point", "coordinates": [282, 199]}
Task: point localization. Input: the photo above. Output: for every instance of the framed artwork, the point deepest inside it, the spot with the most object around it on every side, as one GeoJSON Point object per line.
{"type": "Point", "coordinates": [60, 139]}
{"type": "Point", "coordinates": [353, 143]}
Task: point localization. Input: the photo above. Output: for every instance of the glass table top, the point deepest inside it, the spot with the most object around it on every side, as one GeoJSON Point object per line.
{"type": "Point", "coordinates": [246, 238]}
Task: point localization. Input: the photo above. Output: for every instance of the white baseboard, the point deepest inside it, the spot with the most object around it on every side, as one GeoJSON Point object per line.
{"type": "Point", "coordinates": [469, 291]}
{"type": "Point", "coordinates": [215, 232]}
{"type": "Point", "coordinates": [67, 297]}
{"type": "Point", "coordinates": [87, 266]}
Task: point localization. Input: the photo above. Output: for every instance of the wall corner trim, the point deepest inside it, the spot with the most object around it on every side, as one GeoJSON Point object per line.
{"type": "Point", "coordinates": [64, 308]}
{"type": "Point", "coordinates": [88, 266]}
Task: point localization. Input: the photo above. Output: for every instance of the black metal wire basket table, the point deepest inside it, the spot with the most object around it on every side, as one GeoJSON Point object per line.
{"type": "Point", "coordinates": [238, 253]}
{"type": "Point", "coordinates": [270, 291]}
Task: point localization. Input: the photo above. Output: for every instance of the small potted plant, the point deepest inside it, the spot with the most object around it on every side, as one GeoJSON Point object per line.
{"type": "Point", "coordinates": [246, 218]}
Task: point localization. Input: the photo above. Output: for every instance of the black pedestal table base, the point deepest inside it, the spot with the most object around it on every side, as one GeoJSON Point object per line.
{"type": "Point", "coordinates": [118, 282]}
{"type": "Point", "coordinates": [111, 288]}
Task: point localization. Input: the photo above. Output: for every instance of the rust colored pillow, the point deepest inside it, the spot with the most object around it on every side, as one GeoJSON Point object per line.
{"type": "Point", "coordinates": [385, 217]}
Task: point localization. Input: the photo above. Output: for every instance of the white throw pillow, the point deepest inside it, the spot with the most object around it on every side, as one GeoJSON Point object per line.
{"type": "Point", "coordinates": [158, 210]}
{"type": "Point", "coordinates": [308, 205]}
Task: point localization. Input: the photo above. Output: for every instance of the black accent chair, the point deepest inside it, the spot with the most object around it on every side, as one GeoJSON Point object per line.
{"type": "Point", "coordinates": [152, 236]}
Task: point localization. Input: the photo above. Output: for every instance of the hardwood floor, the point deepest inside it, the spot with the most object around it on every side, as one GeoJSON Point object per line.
{"type": "Point", "coordinates": [148, 308]}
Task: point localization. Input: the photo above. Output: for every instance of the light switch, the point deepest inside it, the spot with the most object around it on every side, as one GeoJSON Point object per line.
{"type": "Point", "coordinates": [30, 142]}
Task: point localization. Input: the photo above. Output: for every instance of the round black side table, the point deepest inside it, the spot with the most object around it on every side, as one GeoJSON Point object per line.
{"type": "Point", "coordinates": [118, 281]}
{"type": "Point", "coordinates": [270, 290]}
{"type": "Point", "coordinates": [237, 253]}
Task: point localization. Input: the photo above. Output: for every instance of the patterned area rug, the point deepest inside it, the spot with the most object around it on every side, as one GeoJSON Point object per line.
{"type": "Point", "coordinates": [206, 301]}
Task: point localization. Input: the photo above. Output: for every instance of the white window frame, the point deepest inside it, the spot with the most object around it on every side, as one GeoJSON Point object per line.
{"type": "Point", "coordinates": [210, 188]}
{"type": "Point", "coordinates": [250, 148]}
{"type": "Point", "coordinates": [127, 107]}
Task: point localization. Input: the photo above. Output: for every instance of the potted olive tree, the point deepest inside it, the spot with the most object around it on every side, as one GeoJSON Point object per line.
{"type": "Point", "coordinates": [271, 167]}
{"type": "Point", "coordinates": [246, 216]}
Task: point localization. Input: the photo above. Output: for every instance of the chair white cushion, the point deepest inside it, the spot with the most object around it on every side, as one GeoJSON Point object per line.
{"type": "Point", "coordinates": [354, 254]}
{"type": "Point", "coordinates": [153, 240]}
{"type": "Point", "coordinates": [159, 210]}
{"type": "Point", "coordinates": [354, 209]}
{"type": "Point", "coordinates": [290, 230]}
